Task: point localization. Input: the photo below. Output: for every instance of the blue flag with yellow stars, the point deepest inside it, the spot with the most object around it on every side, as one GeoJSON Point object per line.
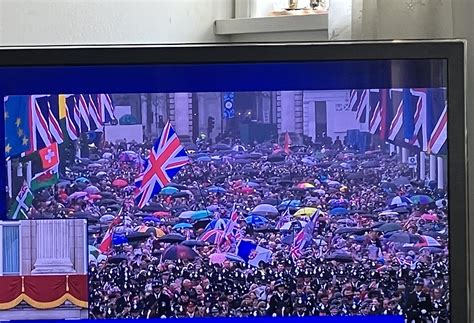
{"type": "Point", "coordinates": [17, 125]}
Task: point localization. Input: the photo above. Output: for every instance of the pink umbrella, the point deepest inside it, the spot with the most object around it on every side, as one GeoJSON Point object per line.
{"type": "Point", "coordinates": [429, 217]}
{"type": "Point", "coordinates": [217, 258]}
{"type": "Point", "coordinates": [77, 195]}
{"type": "Point", "coordinates": [120, 183]}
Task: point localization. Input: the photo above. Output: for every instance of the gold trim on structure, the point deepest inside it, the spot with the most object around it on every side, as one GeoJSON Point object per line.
{"type": "Point", "coordinates": [43, 305]}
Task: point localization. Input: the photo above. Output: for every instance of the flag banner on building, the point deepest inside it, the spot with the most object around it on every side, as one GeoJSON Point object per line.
{"type": "Point", "coordinates": [228, 105]}
{"type": "Point", "coordinates": [17, 125]}
{"type": "Point", "coordinates": [94, 113]}
{"type": "Point", "coordinates": [22, 203]}
{"type": "Point", "coordinates": [41, 134]}
{"type": "Point", "coordinates": [420, 131]}
{"type": "Point", "coordinates": [45, 167]}
{"type": "Point", "coordinates": [82, 101]}
{"type": "Point", "coordinates": [359, 103]}
{"type": "Point", "coordinates": [66, 117]}
{"type": "Point", "coordinates": [166, 158]}
{"type": "Point", "coordinates": [107, 108]}
{"type": "Point", "coordinates": [53, 119]}
{"type": "Point", "coordinates": [437, 115]}
{"type": "Point", "coordinates": [375, 111]}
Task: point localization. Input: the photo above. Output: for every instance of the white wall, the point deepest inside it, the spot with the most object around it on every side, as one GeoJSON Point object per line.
{"type": "Point", "coordinates": [28, 22]}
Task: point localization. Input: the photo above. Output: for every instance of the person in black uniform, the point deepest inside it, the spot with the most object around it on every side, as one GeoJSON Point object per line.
{"type": "Point", "coordinates": [280, 302]}
{"type": "Point", "coordinates": [300, 308]}
{"type": "Point", "coordinates": [124, 301]}
{"type": "Point", "coordinates": [158, 304]}
{"type": "Point", "coordinates": [418, 303]}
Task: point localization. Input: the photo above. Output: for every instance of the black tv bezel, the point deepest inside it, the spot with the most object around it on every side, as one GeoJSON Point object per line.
{"type": "Point", "coordinates": [451, 50]}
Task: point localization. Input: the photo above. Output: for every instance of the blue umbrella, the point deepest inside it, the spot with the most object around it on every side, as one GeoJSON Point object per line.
{"type": "Point", "coordinates": [289, 204]}
{"type": "Point", "coordinates": [82, 180]}
{"type": "Point", "coordinates": [213, 207]}
{"type": "Point", "coordinates": [338, 211]}
{"type": "Point", "coordinates": [151, 219]}
{"type": "Point", "coordinates": [170, 190]}
{"type": "Point", "coordinates": [182, 226]}
{"type": "Point", "coordinates": [265, 209]}
{"type": "Point", "coordinates": [256, 220]}
{"type": "Point", "coordinates": [199, 215]}
{"type": "Point", "coordinates": [204, 159]}
{"type": "Point", "coordinates": [399, 201]}
{"type": "Point", "coordinates": [216, 189]}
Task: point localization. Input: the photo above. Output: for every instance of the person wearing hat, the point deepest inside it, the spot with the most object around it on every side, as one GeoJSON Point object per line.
{"type": "Point", "coordinates": [418, 304]}
{"type": "Point", "coordinates": [158, 304]}
{"type": "Point", "coordinates": [300, 308]}
{"type": "Point", "coordinates": [280, 302]}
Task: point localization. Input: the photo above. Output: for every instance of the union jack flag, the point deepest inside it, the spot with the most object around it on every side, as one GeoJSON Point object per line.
{"type": "Point", "coordinates": [359, 103]}
{"type": "Point", "coordinates": [232, 231]}
{"type": "Point", "coordinates": [304, 236]}
{"type": "Point", "coordinates": [284, 218]}
{"type": "Point", "coordinates": [166, 158]}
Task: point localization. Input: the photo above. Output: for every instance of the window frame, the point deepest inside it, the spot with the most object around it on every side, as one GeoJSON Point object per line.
{"type": "Point", "coordinates": [4, 224]}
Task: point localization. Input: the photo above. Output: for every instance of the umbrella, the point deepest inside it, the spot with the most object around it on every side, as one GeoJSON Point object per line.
{"type": "Point", "coordinates": [216, 189]}
{"type": "Point", "coordinates": [427, 241]}
{"type": "Point", "coordinates": [334, 184]}
{"type": "Point", "coordinates": [106, 218]}
{"type": "Point", "coordinates": [348, 230]}
{"type": "Point", "coordinates": [91, 189]}
{"type": "Point", "coordinates": [271, 201]}
{"type": "Point", "coordinates": [239, 148]}
{"type": "Point", "coordinates": [253, 184]}
{"type": "Point", "coordinates": [247, 190]}
{"type": "Point", "coordinates": [220, 147]}
{"type": "Point", "coordinates": [117, 259]}
{"type": "Point", "coordinates": [340, 257]}
{"type": "Point", "coordinates": [285, 182]}
{"type": "Point", "coordinates": [193, 243]}
{"type": "Point", "coordinates": [186, 215]}
{"type": "Point", "coordinates": [265, 210]}
{"type": "Point", "coordinates": [421, 199]}
{"type": "Point", "coordinates": [172, 238]}
{"type": "Point", "coordinates": [204, 159]}
{"type": "Point", "coordinates": [399, 201]}
{"type": "Point", "coordinates": [256, 220]}
{"type": "Point", "coordinates": [276, 157]}
{"type": "Point", "coordinates": [137, 236]}
{"type": "Point", "coordinates": [82, 180]}
{"type": "Point", "coordinates": [401, 181]}
{"type": "Point", "coordinates": [180, 195]}
{"type": "Point", "coordinates": [404, 237]}
{"type": "Point", "coordinates": [169, 190]}
{"type": "Point", "coordinates": [156, 232]}
{"type": "Point", "coordinates": [182, 226]}
{"type": "Point", "coordinates": [120, 183]}
{"type": "Point", "coordinates": [199, 215]}
{"type": "Point", "coordinates": [305, 185]}
{"type": "Point", "coordinates": [389, 227]}
{"type": "Point", "coordinates": [233, 257]}
{"type": "Point", "coordinates": [107, 195]}
{"type": "Point", "coordinates": [306, 211]}
{"type": "Point", "coordinates": [212, 236]}
{"type": "Point", "coordinates": [151, 219]}
{"type": "Point", "coordinates": [179, 252]}
{"type": "Point", "coordinates": [107, 155]}
{"type": "Point", "coordinates": [338, 211]}
{"type": "Point", "coordinates": [291, 204]}
{"type": "Point", "coordinates": [370, 164]}
{"type": "Point", "coordinates": [178, 186]}
{"type": "Point", "coordinates": [154, 207]}
{"type": "Point", "coordinates": [77, 195]}
{"type": "Point", "coordinates": [429, 217]}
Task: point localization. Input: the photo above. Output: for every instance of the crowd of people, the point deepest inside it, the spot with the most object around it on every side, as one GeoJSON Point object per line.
{"type": "Point", "coordinates": [379, 244]}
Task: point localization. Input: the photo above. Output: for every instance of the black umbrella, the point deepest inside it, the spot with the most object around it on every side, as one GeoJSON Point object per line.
{"type": "Point", "coordinates": [177, 252]}
{"type": "Point", "coordinates": [154, 207]}
{"type": "Point", "coordinates": [340, 257]}
{"type": "Point", "coordinates": [401, 210]}
{"type": "Point", "coordinates": [180, 194]}
{"type": "Point", "coordinates": [324, 164]}
{"type": "Point", "coordinates": [370, 164]}
{"type": "Point", "coordinates": [87, 216]}
{"type": "Point", "coordinates": [172, 238]}
{"type": "Point", "coordinates": [276, 157]}
{"type": "Point", "coordinates": [404, 237]}
{"type": "Point", "coordinates": [389, 227]}
{"type": "Point", "coordinates": [117, 259]}
{"type": "Point", "coordinates": [356, 231]}
{"type": "Point", "coordinates": [138, 236]}
{"type": "Point", "coordinates": [256, 155]}
{"type": "Point", "coordinates": [193, 243]}
{"type": "Point", "coordinates": [107, 195]}
{"type": "Point", "coordinates": [106, 202]}
{"type": "Point", "coordinates": [201, 224]}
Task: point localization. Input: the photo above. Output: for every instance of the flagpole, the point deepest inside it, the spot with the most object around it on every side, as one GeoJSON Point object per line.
{"type": "Point", "coordinates": [28, 172]}
{"type": "Point", "coordinates": [9, 176]}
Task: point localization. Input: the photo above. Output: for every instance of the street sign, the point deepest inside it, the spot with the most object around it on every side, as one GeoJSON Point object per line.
{"type": "Point", "coordinates": [412, 162]}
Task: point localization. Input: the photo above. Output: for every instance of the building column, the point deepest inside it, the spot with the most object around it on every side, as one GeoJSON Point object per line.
{"type": "Point", "coordinates": [391, 148]}
{"type": "Point", "coordinates": [9, 177]}
{"type": "Point", "coordinates": [404, 155]}
{"type": "Point", "coordinates": [180, 112]}
{"type": "Point", "coordinates": [29, 174]}
{"type": "Point", "coordinates": [440, 172]}
{"type": "Point", "coordinates": [53, 251]}
{"type": "Point", "coordinates": [422, 165]}
{"type": "Point", "coordinates": [432, 168]}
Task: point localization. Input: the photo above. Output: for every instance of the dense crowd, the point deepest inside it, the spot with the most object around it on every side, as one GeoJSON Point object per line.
{"type": "Point", "coordinates": [379, 245]}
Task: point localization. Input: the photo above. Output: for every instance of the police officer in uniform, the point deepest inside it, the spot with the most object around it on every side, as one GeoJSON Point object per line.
{"type": "Point", "coordinates": [280, 302]}
{"type": "Point", "coordinates": [158, 304]}
{"type": "Point", "coordinates": [418, 303]}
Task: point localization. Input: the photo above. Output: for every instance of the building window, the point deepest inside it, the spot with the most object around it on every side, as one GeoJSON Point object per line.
{"type": "Point", "coordinates": [10, 249]}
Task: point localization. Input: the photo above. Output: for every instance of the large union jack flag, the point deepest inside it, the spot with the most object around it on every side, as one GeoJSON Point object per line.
{"type": "Point", "coordinates": [166, 158]}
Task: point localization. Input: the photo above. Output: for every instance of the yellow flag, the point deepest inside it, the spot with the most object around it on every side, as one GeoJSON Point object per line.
{"type": "Point", "coordinates": [62, 106]}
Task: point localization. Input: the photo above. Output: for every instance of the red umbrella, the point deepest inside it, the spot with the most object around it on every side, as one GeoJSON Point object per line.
{"type": "Point", "coordinates": [120, 183]}
{"type": "Point", "coordinates": [429, 217]}
{"type": "Point", "coordinates": [247, 190]}
{"type": "Point", "coordinates": [95, 196]}
{"type": "Point", "coordinates": [161, 214]}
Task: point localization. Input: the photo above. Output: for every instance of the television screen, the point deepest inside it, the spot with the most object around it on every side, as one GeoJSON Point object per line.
{"type": "Point", "coordinates": [244, 190]}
